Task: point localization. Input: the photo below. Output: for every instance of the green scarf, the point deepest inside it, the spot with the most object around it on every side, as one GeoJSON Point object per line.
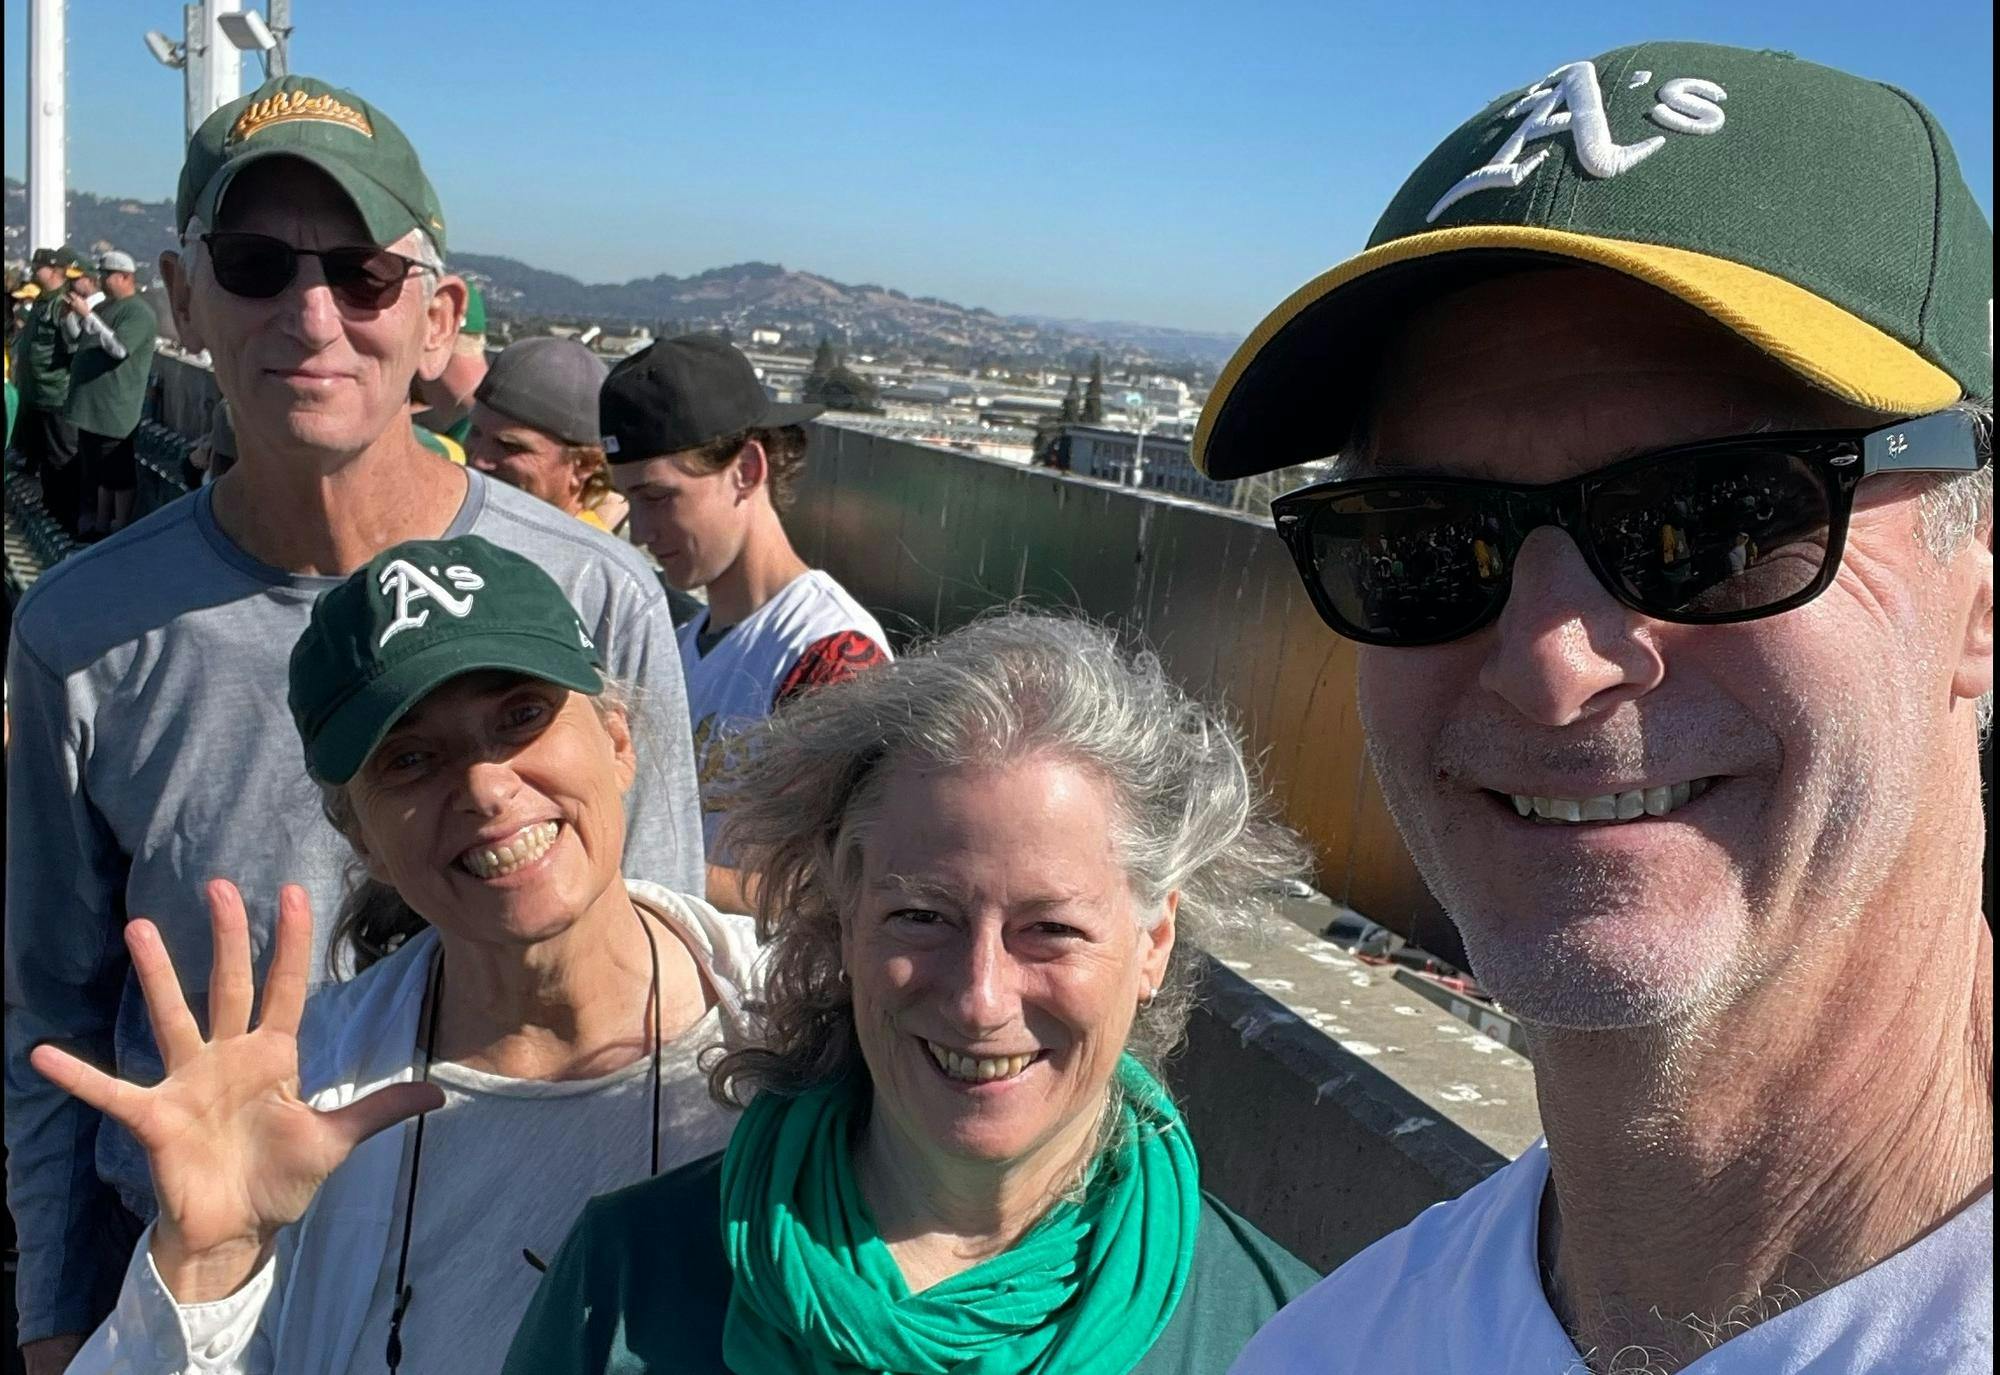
{"type": "Point", "coordinates": [1086, 1292]}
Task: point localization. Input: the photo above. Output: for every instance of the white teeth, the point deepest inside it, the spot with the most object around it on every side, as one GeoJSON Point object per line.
{"type": "Point", "coordinates": [1620, 806]}
{"type": "Point", "coordinates": [526, 846]}
{"type": "Point", "coordinates": [972, 1071]}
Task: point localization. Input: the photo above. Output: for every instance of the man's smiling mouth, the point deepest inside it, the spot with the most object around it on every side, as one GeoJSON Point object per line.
{"type": "Point", "coordinates": [1630, 804]}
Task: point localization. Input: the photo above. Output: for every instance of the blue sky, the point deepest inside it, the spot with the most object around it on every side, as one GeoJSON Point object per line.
{"type": "Point", "coordinates": [1173, 164]}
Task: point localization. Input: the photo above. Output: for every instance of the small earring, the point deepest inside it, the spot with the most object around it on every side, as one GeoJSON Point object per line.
{"type": "Point", "coordinates": [1147, 1001]}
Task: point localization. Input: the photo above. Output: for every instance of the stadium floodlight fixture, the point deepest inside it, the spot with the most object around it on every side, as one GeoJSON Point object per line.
{"type": "Point", "coordinates": [164, 50]}
{"type": "Point", "coordinates": [247, 30]}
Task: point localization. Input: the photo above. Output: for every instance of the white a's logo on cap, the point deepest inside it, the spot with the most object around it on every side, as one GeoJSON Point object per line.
{"type": "Point", "coordinates": [1569, 101]}
{"type": "Point", "coordinates": [409, 584]}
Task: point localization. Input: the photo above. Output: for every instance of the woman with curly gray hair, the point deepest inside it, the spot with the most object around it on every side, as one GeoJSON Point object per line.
{"type": "Point", "coordinates": [982, 872]}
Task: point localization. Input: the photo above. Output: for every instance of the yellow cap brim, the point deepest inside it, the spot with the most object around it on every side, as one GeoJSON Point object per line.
{"type": "Point", "coordinates": [1824, 344]}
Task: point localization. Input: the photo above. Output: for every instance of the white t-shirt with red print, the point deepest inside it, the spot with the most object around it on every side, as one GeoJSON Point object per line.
{"type": "Point", "coordinates": [809, 635]}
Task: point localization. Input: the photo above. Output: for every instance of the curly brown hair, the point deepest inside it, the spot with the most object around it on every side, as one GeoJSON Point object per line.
{"type": "Point", "coordinates": [784, 455]}
{"type": "Point", "coordinates": [596, 469]}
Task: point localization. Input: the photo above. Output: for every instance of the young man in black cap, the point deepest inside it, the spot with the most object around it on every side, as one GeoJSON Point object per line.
{"type": "Point", "coordinates": [708, 461]}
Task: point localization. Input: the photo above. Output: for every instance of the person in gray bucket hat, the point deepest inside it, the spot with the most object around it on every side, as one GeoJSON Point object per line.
{"type": "Point", "coordinates": [534, 426]}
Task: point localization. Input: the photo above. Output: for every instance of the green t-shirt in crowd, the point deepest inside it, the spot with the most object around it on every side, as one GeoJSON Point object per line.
{"type": "Point", "coordinates": [42, 363]}
{"type": "Point", "coordinates": [642, 1285]}
{"type": "Point", "coordinates": [107, 394]}
{"type": "Point", "coordinates": [13, 404]}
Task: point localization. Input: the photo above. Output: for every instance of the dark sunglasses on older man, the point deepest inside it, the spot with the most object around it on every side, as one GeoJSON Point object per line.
{"type": "Point", "coordinates": [1700, 534]}
{"type": "Point", "coordinates": [259, 267]}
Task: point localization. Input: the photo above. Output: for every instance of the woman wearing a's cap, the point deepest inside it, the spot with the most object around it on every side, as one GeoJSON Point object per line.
{"type": "Point", "coordinates": [985, 871]}
{"type": "Point", "coordinates": [541, 1011]}
{"type": "Point", "coordinates": [534, 426]}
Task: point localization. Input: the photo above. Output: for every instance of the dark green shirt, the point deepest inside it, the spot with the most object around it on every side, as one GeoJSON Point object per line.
{"type": "Point", "coordinates": [106, 394]}
{"type": "Point", "coordinates": [43, 360]}
{"type": "Point", "coordinates": [642, 1285]}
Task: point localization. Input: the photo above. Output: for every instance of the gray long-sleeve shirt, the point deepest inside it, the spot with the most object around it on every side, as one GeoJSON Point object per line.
{"type": "Point", "coordinates": [152, 750]}
{"type": "Point", "coordinates": [94, 325]}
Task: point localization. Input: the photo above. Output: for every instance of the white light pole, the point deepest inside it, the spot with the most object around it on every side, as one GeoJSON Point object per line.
{"type": "Point", "coordinates": [222, 75]}
{"type": "Point", "coordinates": [278, 61]}
{"type": "Point", "coordinates": [48, 102]}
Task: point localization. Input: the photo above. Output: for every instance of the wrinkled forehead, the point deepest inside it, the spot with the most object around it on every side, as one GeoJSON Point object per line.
{"type": "Point", "coordinates": [289, 198]}
{"type": "Point", "coordinates": [1538, 374]}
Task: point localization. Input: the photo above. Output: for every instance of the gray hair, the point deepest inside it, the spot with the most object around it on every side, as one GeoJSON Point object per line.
{"type": "Point", "coordinates": [1955, 508]}
{"type": "Point", "coordinates": [1189, 816]}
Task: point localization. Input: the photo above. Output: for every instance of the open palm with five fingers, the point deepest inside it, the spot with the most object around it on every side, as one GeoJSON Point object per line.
{"type": "Point", "coordinates": [236, 1153]}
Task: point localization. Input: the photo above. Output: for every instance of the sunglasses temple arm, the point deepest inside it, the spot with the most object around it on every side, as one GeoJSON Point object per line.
{"type": "Point", "coordinates": [1946, 442]}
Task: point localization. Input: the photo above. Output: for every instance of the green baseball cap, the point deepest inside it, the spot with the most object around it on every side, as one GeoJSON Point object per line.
{"type": "Point", "coordinates": [418, 615]}
{"type": "Point", "coordinates": [1819, 215]}
{"type": "Point", "coordinates": [334, 130]}
{"type": "Point", "coordinates": [475, 311]}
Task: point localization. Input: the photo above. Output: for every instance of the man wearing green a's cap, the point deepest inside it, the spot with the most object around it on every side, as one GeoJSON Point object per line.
{"type": "Point", "coordinates": [150, 749]}
{"type": "Point", "coordinates": [1662, 512]}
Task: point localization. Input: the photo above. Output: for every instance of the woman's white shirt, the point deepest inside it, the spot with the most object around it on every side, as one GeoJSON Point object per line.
{"type": "Point", "coordinates": [507, 1164]}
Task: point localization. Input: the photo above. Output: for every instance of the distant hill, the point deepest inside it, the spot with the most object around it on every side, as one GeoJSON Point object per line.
{"type": "Point", "coordinates": [803, 305]}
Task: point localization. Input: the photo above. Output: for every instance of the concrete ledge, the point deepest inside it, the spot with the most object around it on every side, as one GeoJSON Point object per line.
{"type": "Point", "coordinates": [1331, 1105]}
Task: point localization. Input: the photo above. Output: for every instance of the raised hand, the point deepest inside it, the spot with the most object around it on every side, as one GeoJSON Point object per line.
{"type": "Point", "coordinates": [236, 1153]}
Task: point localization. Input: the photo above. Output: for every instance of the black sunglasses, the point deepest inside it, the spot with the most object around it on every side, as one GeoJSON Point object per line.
{"type": "Point", "coordinates": [259, 267]}
{"type": "Point", "coordinates": [1701, 534]}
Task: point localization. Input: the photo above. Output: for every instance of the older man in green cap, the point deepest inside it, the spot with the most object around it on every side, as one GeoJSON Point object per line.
{"type": "Point", "coordinates": [1662, 517]}
{"type": "Point", "coordinates": [151, 751]}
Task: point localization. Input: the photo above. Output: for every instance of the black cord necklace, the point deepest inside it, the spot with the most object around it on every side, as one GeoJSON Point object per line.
{"type": "Point", "coordinates": [404, 1289]}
